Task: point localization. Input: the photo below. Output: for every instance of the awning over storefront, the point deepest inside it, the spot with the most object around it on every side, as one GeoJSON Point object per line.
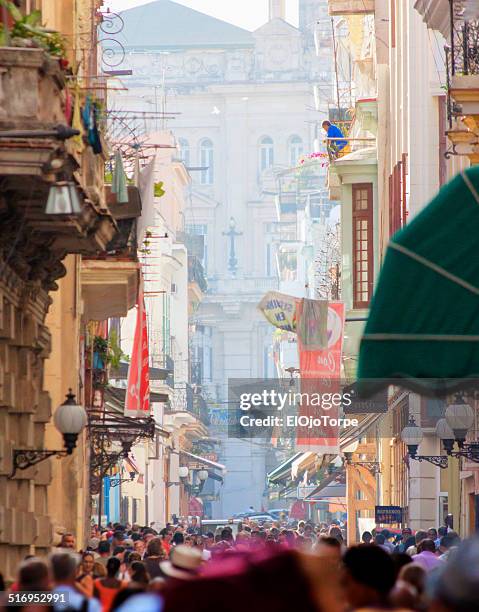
{"type": "Point", "coordinates": [118, 394]}
{"type": "Point", "coordinates": [121, 372]}
{"type": "Point", "coordinates": [423, 326]}
{"type": "Point", "coordinates": [290, 492]}
{"type": "Point", "coordinates": [333, 486]}
{"type": "Point", "coordinates": [302, 463]}
{"type": "Point", "coordinates": [353, 434]}
{"type": "Point", "coordinates": [115, 402]}
{"type": "Point", "coordinates": [206, 462]}
{"type": "Point", "coordinates": [283, 470]}
{"type": "Point", "coordinates": [214, 476]}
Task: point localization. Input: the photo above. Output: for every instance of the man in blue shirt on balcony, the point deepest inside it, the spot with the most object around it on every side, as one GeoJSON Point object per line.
{"type": "Point", "coordinates": [338, 144]}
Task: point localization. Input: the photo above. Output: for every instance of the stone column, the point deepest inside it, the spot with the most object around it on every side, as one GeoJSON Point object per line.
{"type": "Point", "coordinates": [423, 478]}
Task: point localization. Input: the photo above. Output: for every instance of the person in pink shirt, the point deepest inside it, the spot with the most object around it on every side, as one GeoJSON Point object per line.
{"type": "Point", "coordinates": [426, 556]}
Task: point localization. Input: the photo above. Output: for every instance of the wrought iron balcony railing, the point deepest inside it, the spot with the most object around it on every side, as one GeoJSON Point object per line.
{"type": "Point", "coordinates": [196, 273]}
{"type": "Point", "coordinates": [464, 45]}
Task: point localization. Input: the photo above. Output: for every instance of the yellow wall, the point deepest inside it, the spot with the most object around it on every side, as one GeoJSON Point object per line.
{"type": "Point", "coordinates": [73, 18]}
{"type": "Point", "coordinates": [66, 493]}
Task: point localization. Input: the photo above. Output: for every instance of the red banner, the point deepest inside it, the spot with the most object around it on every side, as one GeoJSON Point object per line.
{"type": "Point", "coordinates": [320, 372]}
{"type": "Point", "coordinates": [195, 507]}
{"type": "Point", "coordinates": [137, 399]}
{"type": "Point", "coordinates": [299, 511]}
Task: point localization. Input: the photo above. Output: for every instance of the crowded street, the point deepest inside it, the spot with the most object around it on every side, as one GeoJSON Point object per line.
{"type": "Point", "coordinates": [239, 305]}
{"type": "Point", "coordinates": [271, 564]}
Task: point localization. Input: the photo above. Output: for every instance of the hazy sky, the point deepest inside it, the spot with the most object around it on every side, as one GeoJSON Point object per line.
{"type": "Point", "coordinates": [249, 14]}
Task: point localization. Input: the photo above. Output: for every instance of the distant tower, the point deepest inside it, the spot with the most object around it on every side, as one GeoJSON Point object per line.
{"type": "Point", "coordinates": [277, 9]}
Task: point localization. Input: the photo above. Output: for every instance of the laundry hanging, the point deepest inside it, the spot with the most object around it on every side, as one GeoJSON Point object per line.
{"type": "Point", "coordinates": [118, 181]}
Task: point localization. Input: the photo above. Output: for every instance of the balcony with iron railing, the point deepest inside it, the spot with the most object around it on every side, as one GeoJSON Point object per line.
{"type": "Point", "coordinates": [462, 64]}
{"type": "Point", "coordinates": [357, 146]}
{"type": "Point", "coordinates": [196, 372]}
{"type": "Point", "coordinates": [168, 364]}
{"type": "Point", "coordinates": [196, 405]}
{"type": "Point", "coordinates": [188, 402]}
{"type": "Point", "coordinates": [196, 273]}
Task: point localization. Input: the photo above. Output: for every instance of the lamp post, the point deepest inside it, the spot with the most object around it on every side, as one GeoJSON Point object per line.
{"type": "Point", "coordinates": [70, 418]}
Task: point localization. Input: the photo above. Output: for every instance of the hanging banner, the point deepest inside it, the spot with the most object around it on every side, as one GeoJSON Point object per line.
{"type": "Point", "coordinates": [299, 511]}
{"type": "Point", "coordinates": [137, 399]}
{"type": "Point", "coordinates": [146, 186]}
{"type": "Point", "coordinates": [320, 371]}
{"type": "Point", "coordinates": [195, 507]}
{"type": "Point", "coordinates": [312, 327]}
{"type": "Point", "coordinates": [280, 310]}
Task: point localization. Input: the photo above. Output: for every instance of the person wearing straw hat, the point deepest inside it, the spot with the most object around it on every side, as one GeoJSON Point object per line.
{"type": "Point", "coordinates": [183, 564]}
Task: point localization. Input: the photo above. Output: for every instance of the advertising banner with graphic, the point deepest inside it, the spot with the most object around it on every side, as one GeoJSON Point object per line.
{"type": "Point", "coordinates": [137, 399]}
{"type": "Point", "coordinates": [280, 310]}
{"type": "Point", "coordinates": [320, 371]}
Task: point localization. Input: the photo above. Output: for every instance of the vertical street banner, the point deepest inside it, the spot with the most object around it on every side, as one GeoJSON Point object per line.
{"type": "Point", "coordinates": [137, 399]}
{"type": "Point", "coordinates": [320, 372]}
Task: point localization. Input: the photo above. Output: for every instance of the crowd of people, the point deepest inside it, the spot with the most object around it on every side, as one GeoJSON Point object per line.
{"type": "Point", "coordinates": [273, 566]}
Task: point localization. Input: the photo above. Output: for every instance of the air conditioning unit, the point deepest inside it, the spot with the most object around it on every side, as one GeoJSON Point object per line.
{"type": "Point", "coordinates": [174, 288]}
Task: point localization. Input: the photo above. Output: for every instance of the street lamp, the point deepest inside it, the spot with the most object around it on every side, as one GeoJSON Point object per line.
{"type": "Point", "coordinates": [459, 417]}
{"type": "Point", "coordinates": [70, 418]}
{"type": "Point", "coordinates": [202, 476]}
{"type": "Point", "coordinates": [183, 473]}
{"type": "Point", "coordinates": [412, 437]}
{"type": "Point", "coordinates": [446, 434]}
{"type": "Point", "coordinates": [451, 429]}
{"type": "Point", "coordinates": [63, 199]}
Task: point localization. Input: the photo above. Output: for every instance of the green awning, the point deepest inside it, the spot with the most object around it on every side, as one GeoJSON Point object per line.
{"type": "Point", "coordinates": [283, 470]}
{"type": "Point", "coordinates": [423, 325]}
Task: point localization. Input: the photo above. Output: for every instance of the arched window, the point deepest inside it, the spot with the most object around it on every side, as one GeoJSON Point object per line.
{"type": "Point", "coordinates": [295, 150]}
{"type": "Point", "coordinates": [206, 162]}
{"type": "Point", "coordinates": [184, 151]}
{"type": "Point", "coordinates": [266, 153]}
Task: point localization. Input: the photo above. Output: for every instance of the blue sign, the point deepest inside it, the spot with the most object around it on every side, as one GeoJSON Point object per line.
{"type": "Point", "coordinates": [387, 515]}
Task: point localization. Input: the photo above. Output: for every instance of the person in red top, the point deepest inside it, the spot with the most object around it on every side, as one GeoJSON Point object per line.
{"type": "Point", "coordinates": [166, 536]}
{"type": "Point", "coordinates": [106, 588]}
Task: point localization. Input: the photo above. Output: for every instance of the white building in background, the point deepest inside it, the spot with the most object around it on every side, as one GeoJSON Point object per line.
{"type": "Point", "coordinates": [246, 111]}
{"type": "Point", "coordinates": [164, 262]}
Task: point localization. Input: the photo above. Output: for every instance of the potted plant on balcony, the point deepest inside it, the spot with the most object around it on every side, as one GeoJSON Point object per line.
{"type": "Point", "coordinates": [27, 31]}
{"type": "Point", "coordinates": [100, 353]}
{"type": "Point", "coordinates": [107, 352]}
